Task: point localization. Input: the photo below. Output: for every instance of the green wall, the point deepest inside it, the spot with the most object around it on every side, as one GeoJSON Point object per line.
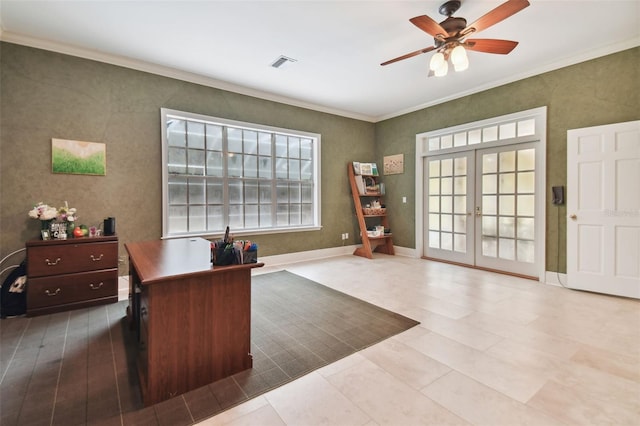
{"type": "Point", "coordinates": [46, 95]}
{"type": "Point", "coordinates": [601, 91]}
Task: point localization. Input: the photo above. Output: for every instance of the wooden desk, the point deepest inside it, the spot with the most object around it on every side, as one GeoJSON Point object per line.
{"type": "Point", "coordinates": [192, 320]}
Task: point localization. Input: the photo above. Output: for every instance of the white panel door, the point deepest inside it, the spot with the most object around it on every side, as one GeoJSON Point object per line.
{"type": "Point", "coordinates": [603, 204]}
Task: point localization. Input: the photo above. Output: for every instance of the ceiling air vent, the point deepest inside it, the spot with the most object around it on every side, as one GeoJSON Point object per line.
{"type": "Point", "coordinates": [281, 61]}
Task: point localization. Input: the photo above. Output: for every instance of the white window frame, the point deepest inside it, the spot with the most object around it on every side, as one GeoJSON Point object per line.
{"type": "Point", "coordinates": [167, 114]}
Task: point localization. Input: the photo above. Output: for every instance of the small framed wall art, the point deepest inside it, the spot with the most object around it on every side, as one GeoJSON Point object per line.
{"type": "Point", "coordinates": [78, 157]}
{"type": "Point", "coordinates": [394, 164]}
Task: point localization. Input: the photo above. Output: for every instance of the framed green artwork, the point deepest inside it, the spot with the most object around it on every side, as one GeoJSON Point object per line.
{"type": "Point", "coordinates": [78, 157]}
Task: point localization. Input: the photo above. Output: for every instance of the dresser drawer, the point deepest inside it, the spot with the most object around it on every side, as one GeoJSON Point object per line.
{"type": "Point", "coordinates": [68, 258]}
{"type": "Point", "coordinates": [70, 288]}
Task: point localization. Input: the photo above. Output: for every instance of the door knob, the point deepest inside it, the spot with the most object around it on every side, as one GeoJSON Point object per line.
{"type": "Point", "coordinates": [573, 217]}
{"type": "Point", "coordinates": [478, 212]}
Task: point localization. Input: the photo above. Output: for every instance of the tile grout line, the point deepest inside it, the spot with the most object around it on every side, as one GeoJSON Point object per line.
{"type": "Point", "coordinates": [115, 368]}
{"type": "Point", "coordinates": [64, 347]}
{"type": "Point", "coordinates": [13, 355]}
{"type": "Point", "coordinates": [188, 410]}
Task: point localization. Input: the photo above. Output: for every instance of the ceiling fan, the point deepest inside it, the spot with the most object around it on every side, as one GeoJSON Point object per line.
{"type": "Point", "coordinates": [450, 36]}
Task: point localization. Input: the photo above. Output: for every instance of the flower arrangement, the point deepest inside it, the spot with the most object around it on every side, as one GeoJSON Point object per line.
{"type": "Point", "coordinates": [64, 216]}
{"type": "Point", "coordinates": [43, 212]}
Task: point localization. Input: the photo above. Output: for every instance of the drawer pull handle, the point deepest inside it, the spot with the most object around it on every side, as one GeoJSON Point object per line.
{"type": "Point", "coordinates": [95, 287]}
{"type": "Point", "coordinates": [96, 259]}
{"type": "Point", "coordinates": [55, 293]}
{"type": "Point", "coordinates": [50, 263]}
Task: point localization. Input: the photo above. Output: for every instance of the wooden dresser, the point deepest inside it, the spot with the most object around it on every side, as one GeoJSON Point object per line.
{"type": "Point", "coordinates": [71, 274]}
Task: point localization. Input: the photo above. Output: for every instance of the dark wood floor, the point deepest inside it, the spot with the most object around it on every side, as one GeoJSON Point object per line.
{"type": "Point", "coordinates": [77, 367]}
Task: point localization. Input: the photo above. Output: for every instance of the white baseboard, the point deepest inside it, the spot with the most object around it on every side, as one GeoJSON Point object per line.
{"type": "Point", "coordinates": [283, 259]}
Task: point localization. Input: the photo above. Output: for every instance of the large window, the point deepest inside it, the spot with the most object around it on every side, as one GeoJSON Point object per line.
{"type": "Point", "coordinates": [252, 178]}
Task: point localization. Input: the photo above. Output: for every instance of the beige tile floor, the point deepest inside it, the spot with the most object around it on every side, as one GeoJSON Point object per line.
{"type": "Point", "coordinates": [490, 350]}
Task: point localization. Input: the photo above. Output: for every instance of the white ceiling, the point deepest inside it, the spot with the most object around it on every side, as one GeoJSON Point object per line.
{"type": "Point", "coordinates": [338, 45]}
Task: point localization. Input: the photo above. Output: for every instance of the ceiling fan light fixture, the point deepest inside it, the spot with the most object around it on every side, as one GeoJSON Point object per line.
{"type": "Point", "coordinates": [442, 70]}
{"type": "Point", "coordinates": [459, 55]}
{"type": "Point", "coordinates": [437, 61]}
{"type": "Point", "coordinates": [461, 66]}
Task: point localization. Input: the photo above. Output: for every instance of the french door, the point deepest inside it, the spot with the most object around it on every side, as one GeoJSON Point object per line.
{"type": "Point", "coordinates": [481, 208]}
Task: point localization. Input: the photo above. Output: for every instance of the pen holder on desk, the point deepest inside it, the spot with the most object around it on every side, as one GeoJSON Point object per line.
{"type": "Point", "coordinates": [236, 253]}
{"type": "Point", "coordinates": [250, 256]}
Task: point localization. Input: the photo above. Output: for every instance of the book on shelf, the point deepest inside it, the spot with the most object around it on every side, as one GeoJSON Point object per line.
{"type": "Point", "coordinates": [365, 169]}
{"type": "Point", "coordinates": [360, 184]}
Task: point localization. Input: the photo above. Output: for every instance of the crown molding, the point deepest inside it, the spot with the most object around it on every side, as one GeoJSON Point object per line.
{"type": "Point", "coordinates": [164, 71]}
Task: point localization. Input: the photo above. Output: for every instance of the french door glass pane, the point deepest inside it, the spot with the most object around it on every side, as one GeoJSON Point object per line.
{"type": "Point", "coordinates": [446, 204]}
{"type": "Point", "coordinates": [489, 184]}
{"type": "Point", "coordinates": [434, 186]}
{"type": "Point", "coordinates": [434, 204]}
{"type": "Point", "coordinates": [507, 183]}
{"type": "Point", "coordinates": [506, 248]}
{"type": "Point", "coordinates": [434, 222]}
{"type": "Point", "coordinates": [446, 241]}
{"type": "Point", "coordinates": [489, 163]}
{"type": "Point", "coordinates": [526, 182]}
{"type": "Point", "coordinates": [434, 168]}
{"type": "Point", "coordinates": [526, 228]}
{"type": "Point", "coordinates": [489, 246]}
{"type": "Point", "coordinates": [446, 168]}
{"type": "Point", "coordinates": [446, 187]}
{"type": "Point", "coordinates": [526, 251]}
{"type": "Point", "coordinates": [527, 159]}
{"type": "Point", "coordinates": [446, 222]}
{"type": "Point", "coordinates": [506, 227]}
{"type": "Point", "coordinates": [434, 239]}
{"type": "Point", "coordinates": [489, 226]}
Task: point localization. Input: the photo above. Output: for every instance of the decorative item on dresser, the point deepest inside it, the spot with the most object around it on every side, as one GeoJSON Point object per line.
{"type": "Point", "coordinates": [70, 274]}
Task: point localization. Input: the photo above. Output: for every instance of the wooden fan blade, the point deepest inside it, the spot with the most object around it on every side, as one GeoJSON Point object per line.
{"type": "Point", "coordinates": [409, 55]}
{"type": "Point", "coordinates": [488, 45]}
{"type": "Point", "coordinates": [498, 14]}
{"type": "Point", "coordinates": [429, 26]}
